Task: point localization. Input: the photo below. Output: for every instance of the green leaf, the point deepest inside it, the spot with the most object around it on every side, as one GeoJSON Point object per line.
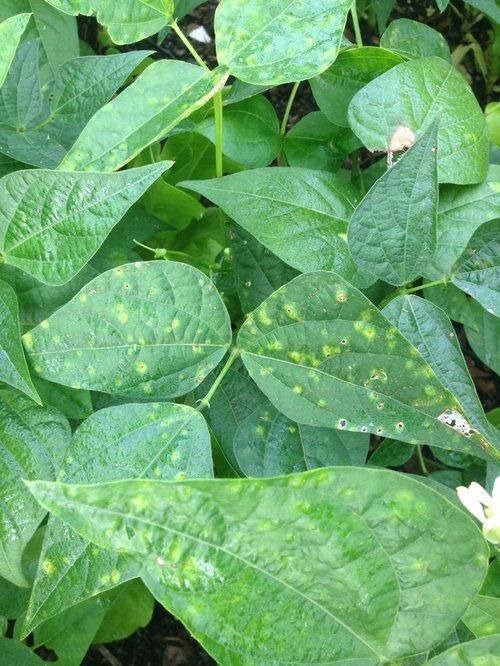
{"type": "Point", "coordinates": [348, 555]}
{"type": "Point", "coordinates": [251, 133]}
{"type": "Point", "coordinates": [483, 616]}
{"type": "Point", "coordinates": [11, 31]}
{"type": "Point", "coordinates": [155, 440]}
{"type": "Point", "coordinates": [477, 272]}
{"type": "Point", "coordinates": [392, 230]}
{"type": "Point", "coordinates": [164, 94]}
{"type": "Point", "coordinates": [33, 441]}
{"type": "Point", "coordinates": [53, 222]}
{"type": "Point", "coordinates": [316, 143]}
{"type": "Point", "coordinates": [75, 404]}
{"type": "Point", "coordinates": [461, 211]}
{"type": "Point", "coordinates": [126, 23]}
{"type": "Point", "coordinates": [271, 42]}
{"type": "Point", "coordinates": [403, 102]}
{"type": "Point", "coordinates": [481, 651]}
{"type": "Point", "coordinates": [488, 7]}
{"type": "Point", "coordinates": [13, 368]}
{"type": "Point", "coordinates": [301, 215]}
{"type": "Point", "coordinates": [267, 443]}
{"type": "Point", "coordinates": [334, 89]}
{"type": "Point", "coordinates": [324, 355]}
{"type": "Point", "coordinates": [130, 609]}
{"type": "Point", "coordinates": [484, 337]}
{"type": "Point", "coordinates": [13, 599]}
{"type": "Point", "coordinates": [146, 329]}
{"type": "Point", "coordinates": [391, 453]}
{"type": "Point", "coordinates": [21, 100]}
{"type": "Point", "coordinates": [414, 40]}
{"type": "Point", "coordinates": [58, 33]}
{"type": "Point", "coordinates": [18, 654]}
{"type": "Point", "coordinates": [383, 9]}
{"type": "Point", "coordinates": [257, 271]}
{"type": "Point", "coordinates": [428, 329]}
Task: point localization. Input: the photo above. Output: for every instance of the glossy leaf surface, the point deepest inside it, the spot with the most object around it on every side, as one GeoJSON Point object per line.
{"type": "Point", "coordinates": [268, 42]}
{"type": "Point", "coordinates": [126, 22]}
{"type": "Point", "coordinates": [323, 354]}
{"type": "Point", "coordinates": [392, 231]}
{"type": "Point", "coordinates": [414, 40]}
{"type": "Point", "coordinates": [340, 555]}
{"type": "Point", "coordinates": [13, 368]}
{"type": "Point", "coordinates": [334, 89]}
{"type": "Point", "coordinates": [149, 329]}
{"type": "Point", "coordinates": [52, 222]}
{"type": "Point", "coordinates": [157, 441]}
{"type": "Point", "coordinates": [404, 101]}
{"type": "Point", "coordinates": [301, 215]}
{"type": "Point", "coordinates": [477, 271]}
{"type": "Point", "coordinates": [33, 441]}
{"type": "Point", "coordinates": [164, 94]}
{"type": "Point", "coordinates": [11, 31]}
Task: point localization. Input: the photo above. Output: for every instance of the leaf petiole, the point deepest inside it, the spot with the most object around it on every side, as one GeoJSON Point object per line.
{"type": "Point", "coordinates": [205, 402]}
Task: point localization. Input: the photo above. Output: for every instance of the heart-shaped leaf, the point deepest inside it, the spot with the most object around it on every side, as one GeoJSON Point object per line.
{"type": "Point", "coordinates": [119, 131]}
{"type": "Point", "coordinates": [268, 42]}
{"type": "Point", "coordinates": [398, 106]}
{"type": "Point", "coordinates": [324, 355]}
{"type": "Point", "coordinates": [11, 31]}
{"type": "Point", "coordinates": [149, 329]}
{"type": "Point", "coordinates": [13, 368]}
{"type": "Point", "coordinates": [33, 442]}
{"type": "Point", "coordinates": [52, 223]}
{"type": "Point", "coordinates": [477, 271]}
{"type": "Point", "coordinates": [348, 555]}
{"type": "Point", "coordinates": [299, 214]}
{"type": "Point", "coordinates": [392, 231]}
{"type": "Point", "coordinates": [158, 441]}
{"type": "Point", "coordinates": [126, 22]}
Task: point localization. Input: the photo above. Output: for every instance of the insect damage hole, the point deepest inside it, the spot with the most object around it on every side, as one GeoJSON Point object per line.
{"type": "Point", "coordinates": [455, 420]}
{"type": "Point", "coordinates": [402, 138]}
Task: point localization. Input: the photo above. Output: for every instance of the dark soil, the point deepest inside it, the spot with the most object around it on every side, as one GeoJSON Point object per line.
{"type": "Point", "coordinates": [166, 642]}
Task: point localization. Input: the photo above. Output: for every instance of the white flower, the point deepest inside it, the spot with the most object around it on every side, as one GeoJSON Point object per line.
{"type": "Point", "coordinates": [484, 507]}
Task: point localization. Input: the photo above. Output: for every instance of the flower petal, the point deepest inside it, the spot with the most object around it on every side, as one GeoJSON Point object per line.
{"type": "Point", "coordinates": [471, 503]}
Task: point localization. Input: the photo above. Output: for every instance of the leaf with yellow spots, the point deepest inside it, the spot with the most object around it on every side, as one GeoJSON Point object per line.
{"type": "Point", "coordinates": [52, 223]}
{"type": "Point", "coordinates": [268, 42]}
{"type": "Point", "coordinates": [355, 556]}
{"type": "Point", "coordinates": [148, 440]}
{"type": "Point", "coordinates": [148, 330]}
{"type": "Point", "coordinates": [354, 369]}
{"type": "Point", "coordinates": [33, 442]}
{"type": "Point", "coordinates": [13, 368]}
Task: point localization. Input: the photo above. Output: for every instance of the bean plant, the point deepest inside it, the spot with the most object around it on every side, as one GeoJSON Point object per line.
{"type": "Point", "coordinates": [230, 381]}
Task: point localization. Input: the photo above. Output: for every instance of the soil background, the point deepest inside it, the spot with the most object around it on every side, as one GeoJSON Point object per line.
{"type": "Point", "coordinates": [165, 641]}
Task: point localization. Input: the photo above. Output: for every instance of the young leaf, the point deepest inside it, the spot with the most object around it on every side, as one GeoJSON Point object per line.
{"type": "Point", "coordinates": [324, 355]}
{"type": "Point", "coordinates": [428, 329]}
{"type": "Point", "coordinates": [52, 223]}
{"type": "Point", "coordinates": [11, 31]}
{"type": "Point", "coordinates": [394, 108]}
{"type": "Point", "coordinates": [477, 271]}
{"type": "Point", "coordinates": [131, 607]}
{"type": "Point", "coordinates": [149, 329]}
{"type": "Point", "coordinates": [267, 443]}
{"type": "Point", "coordinates": [164, 94]}
{"type": "Point", "coordinates": [414, 40]}
{"type": "Point", "coordinates": [301, 215]}
{"type": "Point", "coordinates": [33, 441]}
{"type": "Point", "coordinates": [461, 211]}
{"type": "Point", "coordinates": [268, 42]}
{"type": "Point", "coordinates": [126, 22]}
{"type": "Point", "coordinates": [340, 555]}
{"type": "Point", "coordinates": [471, 652]}
{"type": "Point", "coordinates": [334, 89]}
{"type": "Point", "coordinates": [13, 368]}
{"type": "Point", "coordinates": [392, 231]}
{"type": "Point", "coordinates": [158, 441]}
{"type": "Point", "coordinates": [251, 132]}
{"type": "Point", "coordinates": [58, 34]}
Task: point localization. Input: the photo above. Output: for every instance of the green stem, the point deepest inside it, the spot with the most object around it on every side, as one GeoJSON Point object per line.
{"type": "Point", "coordinates": [421, 461]}
{"type": "Point", "coordinates": [427, 285]}
{"type": "Point", "coordinates": [357, 31]}
{"type": "Point", "coordinates": [288, 109]}
{"type": "Point", "coordinates": [161, 253]}
{"type": "Point", "coordinates": [188, 44]}
{"type": "Point", "coordinates": [219, 133]}
{"type": "Point", "coordinates": [205, 402]}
